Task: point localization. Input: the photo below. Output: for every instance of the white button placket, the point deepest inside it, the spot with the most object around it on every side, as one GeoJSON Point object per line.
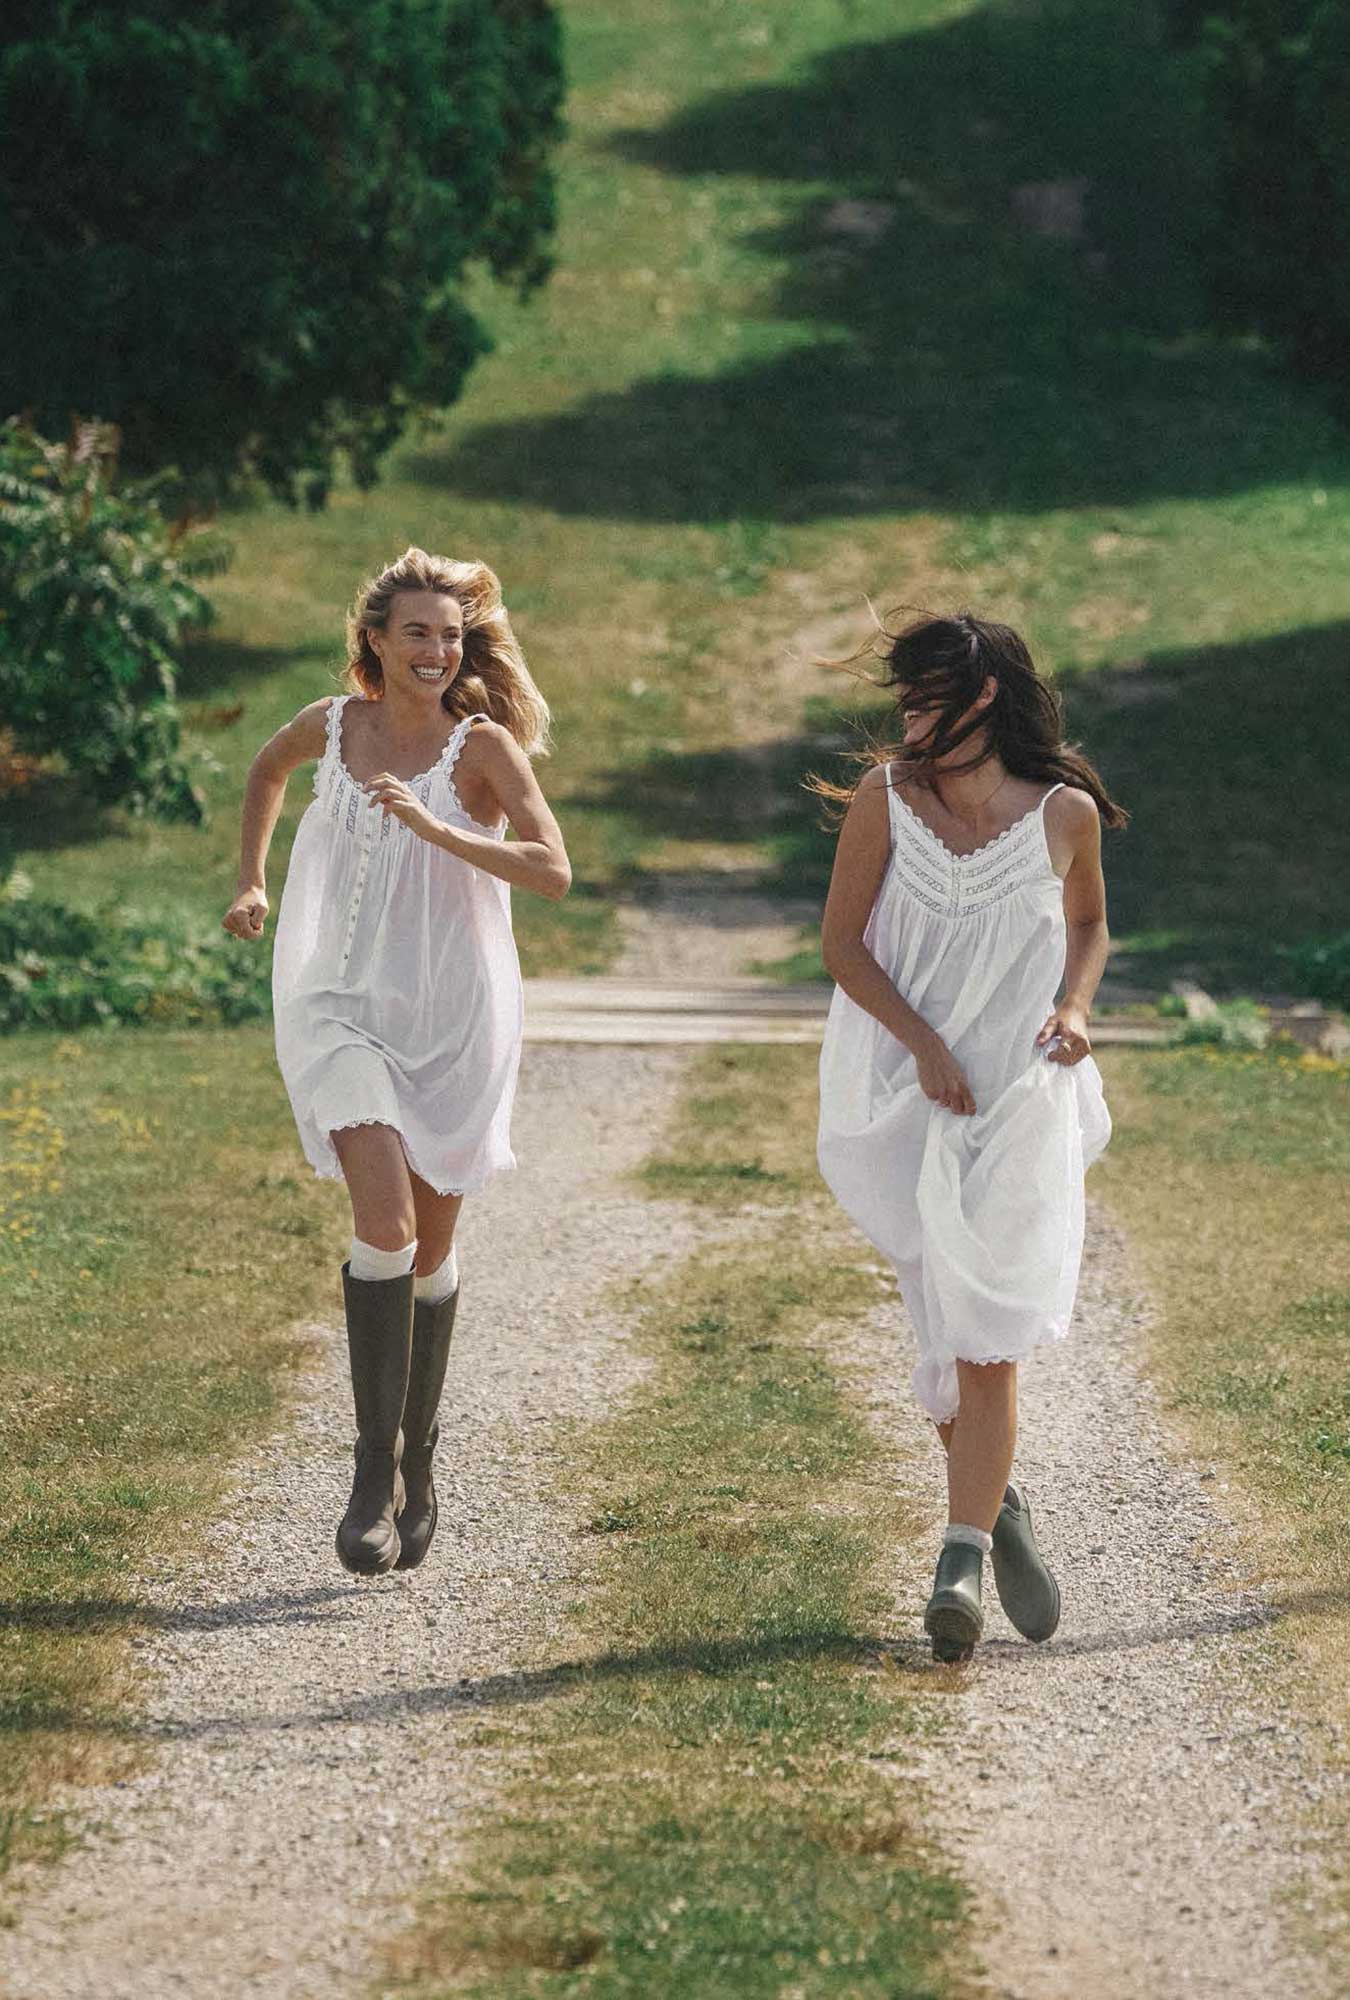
{"type": "Point", "coordinates": [367, 836]}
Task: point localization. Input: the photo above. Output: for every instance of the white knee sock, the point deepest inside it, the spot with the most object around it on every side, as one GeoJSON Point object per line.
{"type": "Point", "coordinates": [368, 1262]}
{"type": "Point", "coordinates": [439, 1284]}
{"type": "Point", "coordinates": [975, 1538]}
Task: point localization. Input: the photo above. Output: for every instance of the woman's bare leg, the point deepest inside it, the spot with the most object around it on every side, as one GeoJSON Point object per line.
{"type": "Point", "coordinates": [437, 1217]}
{"type": "Point", "coordinates": [384, 1213]}
{"type": "Point", "coordinates": [980, 1441]}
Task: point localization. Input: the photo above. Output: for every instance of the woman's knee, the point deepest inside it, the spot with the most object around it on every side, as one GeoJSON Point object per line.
{"type": "Point", "coordinates": [381, 1231]}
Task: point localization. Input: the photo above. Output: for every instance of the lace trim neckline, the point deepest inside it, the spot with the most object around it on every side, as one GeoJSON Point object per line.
{"type": "Point", "coordinates": [986, 847]}
{"type": "Point", "coordinates": [453, 742]}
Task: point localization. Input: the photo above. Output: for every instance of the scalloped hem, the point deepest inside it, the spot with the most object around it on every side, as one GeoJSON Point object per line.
{"type": "Point", "coordinates": [1055, 1337]}
{"type": "Point", "coordinates": [475, 1185]}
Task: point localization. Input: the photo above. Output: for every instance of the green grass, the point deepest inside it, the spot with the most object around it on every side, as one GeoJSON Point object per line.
{"type": "Point", "coordinates": [159, 1249]}
{"type": "Point", "coordinates": [1229, 1171]}
{"type": "Point", "coordinates": [727, 418]}
{"type": "Point", "coordinates": [711, 1801]}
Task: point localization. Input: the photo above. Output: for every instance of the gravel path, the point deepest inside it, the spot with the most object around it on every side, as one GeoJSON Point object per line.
{"type": "Point", "coordinates": [1128, 1804]}
{"type": "Point", "coordinates": [308, 1728]}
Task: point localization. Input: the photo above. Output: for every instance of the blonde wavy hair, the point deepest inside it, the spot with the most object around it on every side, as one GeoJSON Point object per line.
{"type": "Point", "coordinates": [493, 679]}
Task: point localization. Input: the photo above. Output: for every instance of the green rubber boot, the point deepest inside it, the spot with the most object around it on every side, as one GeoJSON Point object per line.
{"type": "Point", "coordinates": [1026, 1589]}
{"type": "Point", "coordinates": [954, 1618]}
{"type": "Point", "coordinates": [379, 1338]}
{"type": "Point", "coordinates": [432, 1328]}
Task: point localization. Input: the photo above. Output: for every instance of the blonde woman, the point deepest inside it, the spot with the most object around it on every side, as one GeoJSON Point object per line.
{"type": "Point", "coordinates": [396, 988]}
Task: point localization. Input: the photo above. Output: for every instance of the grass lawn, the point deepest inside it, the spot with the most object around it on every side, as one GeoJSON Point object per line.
{"type": "Point", "coordinates": [802, 344]}
{"type": "Point", "coordinates": [1229, 1173]}
{"type": "Point", "coordinates": [160, 1250]}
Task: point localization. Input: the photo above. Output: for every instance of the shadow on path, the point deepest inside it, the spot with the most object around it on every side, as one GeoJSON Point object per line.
{"type": "Point", "coordinates": [710, 1658]}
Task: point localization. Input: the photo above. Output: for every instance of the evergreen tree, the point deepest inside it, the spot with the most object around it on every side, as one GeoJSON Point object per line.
{"type": "Point", "coordinates": [241, 230]}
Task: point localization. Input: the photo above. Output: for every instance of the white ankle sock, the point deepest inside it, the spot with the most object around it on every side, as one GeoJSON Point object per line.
{"type": "Point", "coordinates": [975, 1538]}
{"type": "Point", "coordinates": [439, 1284]}
{"type": "Point", "coordinates": [368, 1262]}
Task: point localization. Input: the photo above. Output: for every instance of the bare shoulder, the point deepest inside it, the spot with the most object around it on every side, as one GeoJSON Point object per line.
{"type": "Point", "coordinates": [1073, 831]}
{"type": "Point", "coordinates": [490, 750]}
{"type": "Point", "coordinates": [1073, 813]}
{"type": "Point", "coordinates": [872, 785]}
{"type": "Point", "coordinates": [301, 740]}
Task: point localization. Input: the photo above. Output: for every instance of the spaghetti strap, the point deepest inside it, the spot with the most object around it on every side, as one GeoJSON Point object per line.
{"type": "Point", "coordinates": [1058, 786]}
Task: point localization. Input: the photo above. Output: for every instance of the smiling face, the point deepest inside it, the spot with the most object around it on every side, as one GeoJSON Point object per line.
{"type": "Point", "coordinates": [422, 644]}
{"type": "Point", "coordinates": [922, 711]}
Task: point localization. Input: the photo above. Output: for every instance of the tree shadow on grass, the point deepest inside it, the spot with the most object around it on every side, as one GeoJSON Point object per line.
{"type": "Point", "coordinates": [970, 359]}
{"type": "Point", "coordinates": [1233, 760]}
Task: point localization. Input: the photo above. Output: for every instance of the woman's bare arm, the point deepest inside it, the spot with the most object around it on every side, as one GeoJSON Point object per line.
{"type": "Point", "coordinates": [1077, 827]}
{"type": "Point", "coordinates": [536, 859]}
{"type": "Point", "coordinates": [299, 741]}
{"type": "Point", "coordinates": [860, 862]}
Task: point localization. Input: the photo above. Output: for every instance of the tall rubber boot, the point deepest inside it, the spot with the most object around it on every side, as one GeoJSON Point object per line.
{"type": "Point", "coordinates": [379, 1341]}
{"type": "Point", "coordinates": [432, 1328]}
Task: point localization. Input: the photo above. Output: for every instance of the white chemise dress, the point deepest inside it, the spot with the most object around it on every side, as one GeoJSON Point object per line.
{"type": "Point", "coordinates": [982, 1216]}
{"type": "Point", "coordinates": [396, 988]}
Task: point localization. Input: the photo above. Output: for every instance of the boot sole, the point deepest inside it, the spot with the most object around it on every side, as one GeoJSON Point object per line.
{"type": "Point", "coordinates": [953, 1631]}
{"type": "Point", "coordinates": [379, 1567]}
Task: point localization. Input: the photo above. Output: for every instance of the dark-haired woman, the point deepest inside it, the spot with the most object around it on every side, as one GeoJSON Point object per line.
{"type": "Point", "coordinates": [959, 1106]}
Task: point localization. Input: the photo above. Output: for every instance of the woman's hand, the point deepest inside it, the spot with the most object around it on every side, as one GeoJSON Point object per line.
{"type": "Point", "coordinates": [941, 1076]}
{"type": "Point", "coordinates": [393, 796]}
{"type": "Point", "coordinates": [1064, 1038]}
{"type": "Point", "coordinates": [247, 914]}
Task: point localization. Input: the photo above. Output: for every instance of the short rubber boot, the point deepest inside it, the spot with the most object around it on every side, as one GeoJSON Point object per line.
{"type": "Point", "coordinates": [432, 1327]}
{"type": "Point", "coordinates": [1026, 1589]}
{"type": "Point", "coordinates": [954, 1618]}
{"type": "Point", "coordinates": [379, 1342]}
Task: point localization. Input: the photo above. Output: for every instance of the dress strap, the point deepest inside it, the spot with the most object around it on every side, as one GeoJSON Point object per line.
{"type": "Point", "coordinates": [333, 722]}
{"type": "Point", "coordinates": [331, 760]}
{"type": "Point", "coordinates": [458, 737]}
{"type": "Point", "coordinates": [1058, 786]}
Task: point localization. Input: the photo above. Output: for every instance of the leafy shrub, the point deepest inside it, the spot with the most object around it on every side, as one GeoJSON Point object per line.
{"type": "Point", "coordinates": [1319, 969]}
{"type": "Point", "coordinates": [95, 588]}
{"type": "Point", "coordinates": [1235, 1024]}
{"type": "Point", "coordinates": [1274, 76]}
{"type": "Point", "coordinates": [63, 968]}
{"type": "Point", "coordinates": [242, 231]}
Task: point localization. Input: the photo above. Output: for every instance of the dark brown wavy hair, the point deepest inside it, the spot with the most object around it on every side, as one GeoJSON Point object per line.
{"type": "Point", "coordinates": [933, 660]}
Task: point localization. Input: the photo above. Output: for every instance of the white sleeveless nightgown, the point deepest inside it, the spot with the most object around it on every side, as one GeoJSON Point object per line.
{"type": "Point", "coordinates": [395, 983]}
{"type": "Point", "coordinates": [981, 1216]}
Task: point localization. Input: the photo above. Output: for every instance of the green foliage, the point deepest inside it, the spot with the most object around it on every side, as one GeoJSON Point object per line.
{"type": "Point", "coordinates": [95, 590]}
{"type": "Point", "coordinates": [1275, 78]}
{"type": "Point", "coordinates": [1320, 969]}
{"type": "Point", "coordinates": [64, 968]}
{"type": "Point", "coordinates": [1234, 1024]}
{"type": "Point", "coordinates": [273, 206]}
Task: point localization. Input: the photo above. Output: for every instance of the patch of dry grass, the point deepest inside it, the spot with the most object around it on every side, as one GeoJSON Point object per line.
{"type": "Point", "coordinates": [1229, 1172]}
{"type": "Point", "coordinates": [160, 1252]}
